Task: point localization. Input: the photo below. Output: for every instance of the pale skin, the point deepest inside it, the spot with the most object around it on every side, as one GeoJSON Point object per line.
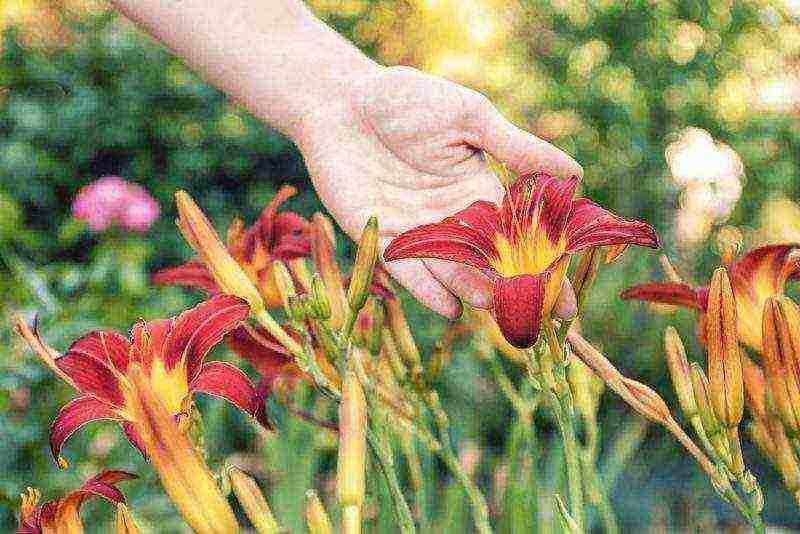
{"type": "Point", "coordinates": [387, 141]}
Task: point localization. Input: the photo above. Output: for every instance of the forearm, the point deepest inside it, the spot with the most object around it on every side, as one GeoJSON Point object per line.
{"type": "Point", "coordinates": [272, 56]}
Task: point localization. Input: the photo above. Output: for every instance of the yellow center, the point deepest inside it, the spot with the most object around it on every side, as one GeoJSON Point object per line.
{"type": "Point", "coordinates": [170, 386]}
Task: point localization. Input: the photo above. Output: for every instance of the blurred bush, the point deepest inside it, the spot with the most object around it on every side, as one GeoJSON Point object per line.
{"type": "Point", "coordinates": [84, 94]}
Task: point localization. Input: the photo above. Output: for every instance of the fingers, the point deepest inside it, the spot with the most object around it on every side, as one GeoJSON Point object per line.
{"type": "Point", "coordinates": [520, 150]}
{"type": "Point", "coordinates": [462, 280]}
{"type": "Point", "coordinates": [419, 281]}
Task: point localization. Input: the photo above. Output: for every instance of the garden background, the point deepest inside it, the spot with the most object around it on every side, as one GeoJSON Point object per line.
{"type": "Point", "coordinates": [682, 113]}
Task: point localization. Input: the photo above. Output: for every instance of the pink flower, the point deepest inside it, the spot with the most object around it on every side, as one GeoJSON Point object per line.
{"type": "Point", "coordinates": [112, 200]}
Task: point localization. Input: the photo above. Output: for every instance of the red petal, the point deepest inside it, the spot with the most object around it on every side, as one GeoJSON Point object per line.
{"type": "Point", "coordinates": [481, 216]}
{"type": "Point", "coordinates": [444, 241]}
{"type": "Point", "coordinates": [133, 436]}
{"type": "Point", "coordinates": [291, 237]}
{"type": "Point", "coordinates": [92, 373]}
{"type": "Point", "coordinates": [101, 485]}
{"type": "Point", "coordinates": [590, 225]}
{"type": "Point", "coordinates": [770, 267]}
{"type": "Point", "coordinates": [517, 305]}
{"type": "Point", "coordinates": [265, 226]}
{"type": "Point", "coordinates": [74, 415]}
{"type": "Point", "coordinates": [192, 273]}
{"type": "Point", "coordinates": [666, 293]}
{"type": "Point", "coordinates": [267, 355]}
{"type": "Point", "coordinates": [517, 202]}
{"type": "Point", "coordinates": [555, 197]}
{"type": "Point", "coordinates": [227, 381]}
{"type": "Point", "coordinates": [105, 345]}
{"type": "Point", "coordinates": [196, 331]}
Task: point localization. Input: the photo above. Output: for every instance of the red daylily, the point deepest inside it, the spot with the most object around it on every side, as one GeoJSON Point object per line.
{"type": "Point", "coordinates": [274, 236]}
{"type": "Point", "coordinates": [62, 515]}
{"type": "Point", "coordinates": [170, 354]}
{"type": "Point", "coordinates": [523, 246]}
{"type": "Point", "coordinates": [756, 276]}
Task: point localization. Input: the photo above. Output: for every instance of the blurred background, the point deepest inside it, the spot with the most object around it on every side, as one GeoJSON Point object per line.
{"type": "Point", "coordinates": [683, 113]}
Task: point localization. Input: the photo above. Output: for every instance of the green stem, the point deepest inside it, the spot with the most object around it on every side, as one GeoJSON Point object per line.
{"type": "Point", "coordinates": [405, 521]}
{"type": "Point", "coordinates": [480, 510]}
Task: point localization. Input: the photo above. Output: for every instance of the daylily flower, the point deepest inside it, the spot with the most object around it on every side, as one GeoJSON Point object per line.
{"type": "Point", "coordinates": [523, 246]}
{"type": "Point", "coordinates": [146, 383]}
{"type": "Point", "coordinates": [63, 515]}
{"type": "Point", "coordinates": [756, 276]}
{"type": "Point", "coordinates": [274, 236]}
{"type": "Point", "coordinates": [112, 200]}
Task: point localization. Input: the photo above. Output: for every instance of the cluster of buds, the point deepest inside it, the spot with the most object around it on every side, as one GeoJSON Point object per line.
{"type": "Point", "coordinates": [714, 402]}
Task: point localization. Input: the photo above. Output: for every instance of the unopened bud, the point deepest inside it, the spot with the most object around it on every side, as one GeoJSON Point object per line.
{"type": "Point", "coordinates": [298, 307]}
{"type": "Point", "coordinates": [781, 334]}
{"type": "Point", "coordinates": [653, 406]}
{"type": "Point", "coordinates": [252, 500]}
{"type": "Point", "coordinates": [283, 279]}
{"type": "Point", "coordinates": [568, 523]}
{"type": "Point", "coordinates": [729, 243]}
{"type": "Point", "coordinates": [726, 389]}
{"type": "Point", "coordinates": [204, 240]}
{"type": "Point", "coordinates": [364, 266]}
{"type": "Point", "coordinates": [585, 274]}
{"type": "Point", "coordinates": [369, 325]}
{"type": "Point", "coordinates": [784, 455]}
{"type": "Point", "coordinates": [711, 425]}
{"type": "Point", "coordinates": [351, 468]}
{"type": "Point", "coordinates": [754, 387]}
{"type": "Point", "coordinates": [316, 516]}
{"type": "Point", "coordinates": [402, 333]}
{"type": "Point", "coordinates": [580, 381]}
{"type": "Point", "coordinates": [321, 302]}
{"type": "Point", "coordinates": [679, 371]}
{"type": "Point", "coordinates": [566, 306]}
{"type": "Point", "coordinates": [125, 523]}
{"type": "Point", "coordinates": [323, 250]}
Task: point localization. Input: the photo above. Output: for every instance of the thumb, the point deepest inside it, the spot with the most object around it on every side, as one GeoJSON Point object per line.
{"type": "Point", "coordinates": [522, 151]}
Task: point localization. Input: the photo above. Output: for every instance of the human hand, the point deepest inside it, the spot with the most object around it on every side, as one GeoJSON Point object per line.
{"type": "Point", "coordinates": [408, 148]}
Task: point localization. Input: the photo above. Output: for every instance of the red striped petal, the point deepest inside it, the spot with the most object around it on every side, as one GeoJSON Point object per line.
{"type": "Point", "coordinates": [291, 237]}
{"type": "Point", "coordinates": [102, 485]}
{"type": "Point", "coordinates": [148, 338]}
{"type": "Point", "coordinates": [516, 208]}
{"type": "Point", "coordinates": [196, 331]}
{"type": "Point", "coordinates": [228, 382]}
{"type": "Point", "coordinates": [105, 345]}
{"type": "Point", "coordinates": [590, 225]}
{"type": "Point", "coordinates": [133, 436]}
{"type": "Point", "coordinates": [666, 293]}
{"type": "Point", "coordinates": [74, 415]}
{"type": "Point", "coordinates": [444, 241]}
{"type": "Point", "coordinates": [481, 216]}
{"type": "Point", "coordinates": [92, 373]}
{"type": "Point", "coordinates": [192, 273]}
{"type": "Point", "coordinates": [258, 347]}
{"type": "Point", "coordinates": [555, 198]}
{"type": "Point", "coordinates": [517, 306]}
{"type": "Point", "coordinates": [766, 267]}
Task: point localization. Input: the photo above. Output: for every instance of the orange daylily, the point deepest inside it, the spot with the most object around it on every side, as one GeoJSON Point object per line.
{"type": "Point", "coordinates": [274, 236]}
{"type": "Point", "coordinates": [756, 276]}
{"type": "Point", "coordinates": [63, 515]}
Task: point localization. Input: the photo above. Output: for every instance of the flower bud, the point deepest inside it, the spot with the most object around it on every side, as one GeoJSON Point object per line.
{"type": "Point", "coordinates": [285, 283]}
{"type": "Point", "coordinates": [726, 389]}
{"type": "Point", "coordinates": [784, 455]}
{"type": "Point", "coordinates": [125, 523]}
{"type": "Point", "coordinates": [369, 325]}
{"type": "Point", "coordinates": [299, 307]}
{"type": "Point", "coordinates": [402, 333]}
{"type": "Point", "coordinates": [585, 274]}
{"type": "Point", "coordinates": [614, 252]}
{"type": "Point", "coordinates": [654, 407]}
{"type": "Point", "coordinates": [581, 379]}
{"type": "Point", "coordinates": [781, 334]}
{"type": "Point", "coordinates": [204, 240]}
{"type": "Point", "coordinates": [679, 371]}
{"type": "Point", "coordinates": [252, 500]}
{"type": "Point", "coordinates": [351, 470]}
{"type": "Point", "coordinates": [711, 425]}
{"type": "Point", "coordinates": [320, 300]}
{"type": "Point", "coordinates": [566, 305]}
{"type": "Point", "coordinates": [323, 250]}
{"type": "Point", "coordinates": [316, 516]}
{"type": "Point", "coordinates": [364, 266]}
